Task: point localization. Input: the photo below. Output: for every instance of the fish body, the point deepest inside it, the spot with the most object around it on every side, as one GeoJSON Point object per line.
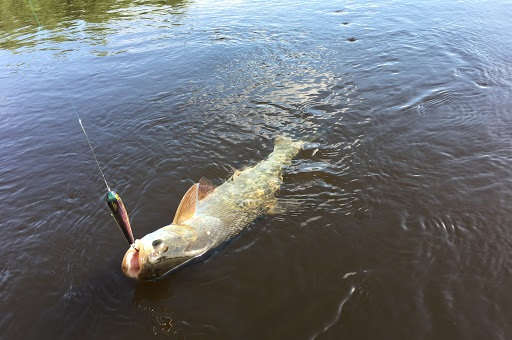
{"type": "Point", "coordinates": [208, 216]}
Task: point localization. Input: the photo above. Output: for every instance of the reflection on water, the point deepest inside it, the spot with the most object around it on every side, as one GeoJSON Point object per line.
{"type": "Point", "coordinates": [30, 22]}
{"type": "Point", "coordinates": [393, 222]}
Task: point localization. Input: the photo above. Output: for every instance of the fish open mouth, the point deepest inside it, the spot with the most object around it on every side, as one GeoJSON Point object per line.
{"type": "Point", "coordinates": [131, 264]}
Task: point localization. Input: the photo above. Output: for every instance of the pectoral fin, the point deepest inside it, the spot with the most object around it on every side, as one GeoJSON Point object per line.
{"type": "Point", "coordinates": [188, 203]}
{"type": "Point", "coordinates": [280, 206]}
{"type": "Point", "coordinates": [187, 206]}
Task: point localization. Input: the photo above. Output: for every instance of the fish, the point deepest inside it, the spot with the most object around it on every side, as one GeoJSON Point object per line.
{"type": "Point", "coordinates": [208, 216]}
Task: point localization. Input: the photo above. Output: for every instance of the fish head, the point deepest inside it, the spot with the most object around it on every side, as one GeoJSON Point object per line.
{"type": "Point", "coordinates": [162, 251]}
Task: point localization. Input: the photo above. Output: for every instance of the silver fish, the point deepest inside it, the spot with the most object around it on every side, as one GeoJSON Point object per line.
{"type": "Point", "coordinates": [208, 216]}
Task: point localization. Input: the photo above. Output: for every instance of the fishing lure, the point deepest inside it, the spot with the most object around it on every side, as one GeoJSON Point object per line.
{"type": "Point", "coordinates": [114, 201]}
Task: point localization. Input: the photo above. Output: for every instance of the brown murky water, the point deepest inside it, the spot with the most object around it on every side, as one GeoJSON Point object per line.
{"type": "Point", "coordinates": [399, 227]}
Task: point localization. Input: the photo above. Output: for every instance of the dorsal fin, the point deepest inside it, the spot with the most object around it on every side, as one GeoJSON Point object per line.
{"type": "Point", "coordinates": [236, 172]}
{"type": "Point", "coordinates": [205, 188]}
{"type": "Point", "coordinates": [187, 206]}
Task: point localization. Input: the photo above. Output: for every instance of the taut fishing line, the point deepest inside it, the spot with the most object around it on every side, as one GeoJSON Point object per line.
{"type": "Point", "coordinates": [93, 153]}
{"type": "Point", "coordinates": [113, 199]}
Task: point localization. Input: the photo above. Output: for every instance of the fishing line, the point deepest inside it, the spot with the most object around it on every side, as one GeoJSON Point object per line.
{"type": "Point", "coordinates": [93, 153]}
{"type": "Point", "coordinates": [114, 201]}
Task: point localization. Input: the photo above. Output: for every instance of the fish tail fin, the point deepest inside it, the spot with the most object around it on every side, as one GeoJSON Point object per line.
{"type": "Point", "coordinates": [288, 143]}
{"type": "Point", "coordinates": [287, 148]}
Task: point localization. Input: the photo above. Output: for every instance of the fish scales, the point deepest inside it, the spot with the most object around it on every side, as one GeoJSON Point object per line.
{"type": "Point", "coordinates": [223, 213]}
{"type": "Point", "coordinates": [251, 192]}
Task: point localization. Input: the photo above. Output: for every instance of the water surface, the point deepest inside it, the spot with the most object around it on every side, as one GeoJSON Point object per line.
{"type": "Point", "coordinates": [397, 227]}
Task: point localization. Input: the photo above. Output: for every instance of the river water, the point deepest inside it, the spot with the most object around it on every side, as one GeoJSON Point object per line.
{"type": "Point", "coordinates": [396, 221]}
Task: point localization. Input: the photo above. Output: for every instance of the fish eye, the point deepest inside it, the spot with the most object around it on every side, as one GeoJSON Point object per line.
{"type": "Point", "coordinates": [156, 243]}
